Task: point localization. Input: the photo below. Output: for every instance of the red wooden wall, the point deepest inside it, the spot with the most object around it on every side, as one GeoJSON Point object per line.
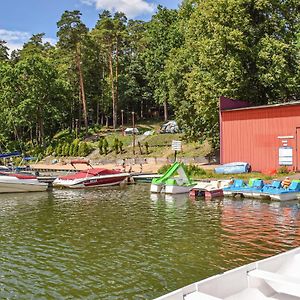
{"type": "Point", "coordinates": [251, 135]}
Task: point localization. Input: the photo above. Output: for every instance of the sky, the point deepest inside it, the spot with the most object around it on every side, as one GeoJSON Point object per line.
{"type": "Point", "coordinates": [19, 19]}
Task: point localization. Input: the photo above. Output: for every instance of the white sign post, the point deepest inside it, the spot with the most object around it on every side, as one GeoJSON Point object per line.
{"type": "Point", "coordinates": [176, 146]}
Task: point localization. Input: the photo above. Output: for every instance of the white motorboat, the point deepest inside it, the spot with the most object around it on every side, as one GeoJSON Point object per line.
{"type": "Point", "coordinates": [93, 177]}
{"type": "Point", "coordinates": [277, 277]}
{"type": "Point", "coordinates": [19, 183]}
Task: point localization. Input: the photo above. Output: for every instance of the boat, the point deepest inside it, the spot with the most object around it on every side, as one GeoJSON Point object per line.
{"type": "Point", "coordinates": [257, 189]}
{"type": "Point", "coordinates": [233, 168]}
{"type": "Point", "coordinates": [284, 194]}
{"type": "Point", "coordinates": [144, 178]}
{"type": "Point", "coordinates": [209, 189]}
{"type": "Point", "coordinates": [19, 183]}
{"type": "Point", "coordinates": [174, 181]}
{"type": "Point", "coordinates": [92, 177]}
{"type": "Point", "coordinates": [277, 277]}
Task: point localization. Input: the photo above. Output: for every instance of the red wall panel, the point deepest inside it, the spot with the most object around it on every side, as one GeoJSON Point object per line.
{"type": "Point", "coordinates": [251, 135]}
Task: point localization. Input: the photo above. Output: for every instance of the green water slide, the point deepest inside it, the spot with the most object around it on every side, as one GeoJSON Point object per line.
{"type": "Point", "coordinates": [170, 172]}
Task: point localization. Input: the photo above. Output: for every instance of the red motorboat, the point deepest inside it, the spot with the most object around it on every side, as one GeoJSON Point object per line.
{"type": "Point", "coordinates": [93, 177]}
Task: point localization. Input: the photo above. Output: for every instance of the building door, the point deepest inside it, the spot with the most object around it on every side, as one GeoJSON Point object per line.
{"type": "Point", "coordinates": [298, 148]}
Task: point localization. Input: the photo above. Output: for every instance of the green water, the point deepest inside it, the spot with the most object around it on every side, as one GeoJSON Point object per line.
{"type": "Point", "coordinates": [126, 244]}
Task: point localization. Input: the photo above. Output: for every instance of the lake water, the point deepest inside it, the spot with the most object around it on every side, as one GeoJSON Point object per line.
{"type": "Point", "coordinates": [124, 243]}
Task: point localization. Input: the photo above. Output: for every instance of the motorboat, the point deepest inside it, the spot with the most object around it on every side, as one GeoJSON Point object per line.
{"type": "Point", "coordinates": [92, 177]}
{"type": "Point", "coordinates": [277, 277]}
{"type": "Point", "coordinates": [174, 181]}
{"type": "Point", "coordinates": [19, 183]}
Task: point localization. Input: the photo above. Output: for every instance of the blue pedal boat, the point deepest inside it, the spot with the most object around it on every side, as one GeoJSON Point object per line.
{"type": "Point", "coordinates": [276, 192]}
{"type": "Point", "coordinates": [235, 189]}
{"type": "Point", "coordinates": [254, 189]}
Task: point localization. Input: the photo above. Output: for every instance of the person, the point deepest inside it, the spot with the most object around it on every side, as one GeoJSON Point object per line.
{"type": "Point", "coordinates": [231, 181]}
{"type": "Point", "coordinates": [286, 183]}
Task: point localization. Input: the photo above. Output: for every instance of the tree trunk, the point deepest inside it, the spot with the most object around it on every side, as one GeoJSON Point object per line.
{"type": "Point", "coordinates": [115, 111]}
{"type": "Point", "coordinates": [81, 83]}
{"type": "Point", "coordinates": [165, 111]}
{"type": "Point", "coordinates": [111, 73]}
{"type": "Point", "coordinates": [97, 113]}
{"type": "Point", "coordinates": [40, 126]}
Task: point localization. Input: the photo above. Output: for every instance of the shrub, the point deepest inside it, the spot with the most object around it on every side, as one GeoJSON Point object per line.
{"type": "Point", "coordinates": [283, 170]}
{"type": "Point", "coordinates": [71, 149]}
{"type": "Point", "coordinates": [49, 150]}
{"type": "Point", "coordinates": [105, 146]}
{"type": "Point", "coordinates": [83, 149]}
{"type": "Point", "coordinates": [116, 146]}
{"type": "Point", "coordinates": [121, 146]}
{"type": "Point", "coordinates": [193, 170]}
{"type": "Point", "coordinates": [58, 150]}
{"type": "Point", "coordinates": [163, 169]}
{"type": "Point", "coordinates": [100, 145]}
{"type": "Point", "coordinates": [75, 147]}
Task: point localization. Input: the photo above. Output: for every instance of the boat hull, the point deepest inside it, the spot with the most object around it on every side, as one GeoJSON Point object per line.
{"type": "Point", "coordinates": [177, 189]}
{"type": "Point", "coordinates": [277, 277]}
{"type": "Point", "coordinates": [22, 187]}
{"type": "Point", "coordinates": [284, 196]}
{"type": "Point", "coordinates": [91, 182]}
{"type": "Point", "coordinates": [156, 188]}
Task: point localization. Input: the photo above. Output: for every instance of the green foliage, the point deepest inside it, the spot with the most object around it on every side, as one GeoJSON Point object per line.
{"type": "Point", "coordinates": [105, 146]}
{"type": "Point", "coordinates": [121, 146]}
{"type": "Point", "coordinates": [163, 169]}
{"type": "Point", "coordinates": [58, 150]}
{"type": "Point", "coordinates": [182, 59]}
{"type": "Point", "coordinates": [100, 145]}
{"type": "Point", "coordinates": [49, 150]}
{"type": "Point", "coordinates": [283, 170]}
{"type": "Point", "coordinates": [83, 149]}
{"type": "Point", "coordinates": [75, 147]}
{"type": "Point", "coordinates": [116, 146]}
{"type": "Point", "coordinates": [195, 171]}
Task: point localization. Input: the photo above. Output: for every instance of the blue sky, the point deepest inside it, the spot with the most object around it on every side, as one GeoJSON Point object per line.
{"type": "Point", "coordinates": [19, 19]}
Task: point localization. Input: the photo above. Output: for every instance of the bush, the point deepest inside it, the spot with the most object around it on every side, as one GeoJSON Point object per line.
{"type": "Point", "coordinates": [58, 150]}
{"type": "Point", "coordinates": [163, 169]}
{"type": "Point", "coordinates": [105, 146]}
{"type": "Point", "coordinates": [83, 149]}
{"type": "Point", "coordinates": [283, 170]}
{"type": "Point", "coordinates": [75, 147]}
{"type": "Point", "coordinates": [49, 150]}
{"type": "Point", "coordinates": [116, 146]}
{"type": "Point", "coordinates": [193, 170]}
{"type": "Point", "coordinates": [121, 146]}
{"type": "Point", "coordinates": [100, 145]}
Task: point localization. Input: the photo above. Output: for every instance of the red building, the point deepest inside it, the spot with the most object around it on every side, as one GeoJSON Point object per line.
{"type": "Point", "coordinates": [267, 136]}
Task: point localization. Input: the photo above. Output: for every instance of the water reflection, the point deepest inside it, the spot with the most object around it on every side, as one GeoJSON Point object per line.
{"type": "Point", "coordinates": [125, 243]}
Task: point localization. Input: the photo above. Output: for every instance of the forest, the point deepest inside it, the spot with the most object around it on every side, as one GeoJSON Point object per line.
{"type": "Point", "coordinates": [175, 65]}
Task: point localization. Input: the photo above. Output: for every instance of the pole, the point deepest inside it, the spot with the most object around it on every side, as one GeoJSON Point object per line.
{"type": "Point", "coordinates": [175, 155]}
{"type": "Point", "coordinates": [122, 121]}
{"type": "Point", "coordinates": [133, 133]}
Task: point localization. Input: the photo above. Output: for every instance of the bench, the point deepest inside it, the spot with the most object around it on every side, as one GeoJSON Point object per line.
{"type": "Point", "coordinates": [280, 283]}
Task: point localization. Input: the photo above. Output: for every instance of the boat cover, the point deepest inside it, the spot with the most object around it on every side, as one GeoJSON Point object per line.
{"type": "Point", "coordinates": [90, 173]}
